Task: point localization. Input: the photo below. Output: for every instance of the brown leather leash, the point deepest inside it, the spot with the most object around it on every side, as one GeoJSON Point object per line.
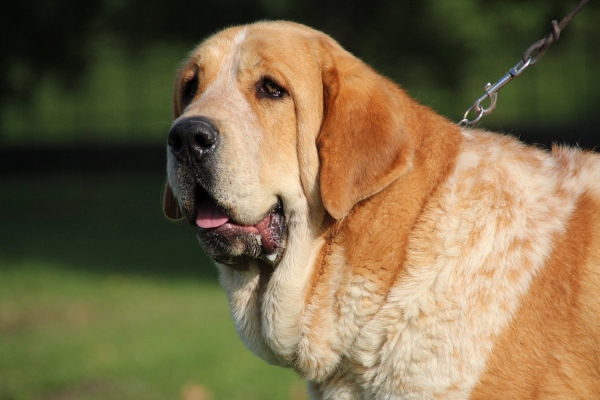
{"type": "Point", "coordinates": [531, 56]}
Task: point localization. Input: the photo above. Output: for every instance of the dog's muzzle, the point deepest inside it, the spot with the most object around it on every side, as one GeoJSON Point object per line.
{"type": "Point", "coordinates": [191, 142]}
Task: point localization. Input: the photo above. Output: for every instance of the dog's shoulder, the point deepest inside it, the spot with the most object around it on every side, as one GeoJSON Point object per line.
{"type": "Point", "coordinates": [501, 281]}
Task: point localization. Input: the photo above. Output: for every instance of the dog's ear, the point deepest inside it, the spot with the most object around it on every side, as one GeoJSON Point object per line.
{"type": "Point", "coordinates": [170, 205]}
{"type": "Point", "coordinates": [363, 145]}
{"type": "Point", "coordinates": [186, 87]}
{"type": "Point", "coordinates": [177, 96]}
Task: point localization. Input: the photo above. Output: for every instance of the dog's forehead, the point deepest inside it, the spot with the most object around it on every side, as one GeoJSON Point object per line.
{"type": "Point", "coordinates": [214, 51]}
{"type": "Point", "coordinates": [252, 45]}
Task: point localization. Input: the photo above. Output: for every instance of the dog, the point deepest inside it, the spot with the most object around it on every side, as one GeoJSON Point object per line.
{"type": "Point", "coordinates": [378, 249]}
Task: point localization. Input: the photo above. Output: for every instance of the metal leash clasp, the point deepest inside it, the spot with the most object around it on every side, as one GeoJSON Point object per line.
{"type": "Point", "coordinates": [491, 92]}
{"type": "Point", "coordinates": [538, 49]}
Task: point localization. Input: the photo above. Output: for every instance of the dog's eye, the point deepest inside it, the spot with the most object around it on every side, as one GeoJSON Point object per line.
{"type": "Point", "coordinates": [270, 89]}
{"type": "Point", "coordinates": [190, 87]}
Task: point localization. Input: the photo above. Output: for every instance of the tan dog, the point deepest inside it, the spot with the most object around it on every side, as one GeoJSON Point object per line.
{"type": "Point", "coordinates": [375, 247]}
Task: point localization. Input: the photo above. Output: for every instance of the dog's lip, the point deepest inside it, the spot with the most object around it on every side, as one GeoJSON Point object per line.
{"type": "Point", "coordinates": [211, 217]}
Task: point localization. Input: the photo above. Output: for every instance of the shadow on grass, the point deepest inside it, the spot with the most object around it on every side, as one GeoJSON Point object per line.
{"type": "Point", "coordinates": [106, 223]}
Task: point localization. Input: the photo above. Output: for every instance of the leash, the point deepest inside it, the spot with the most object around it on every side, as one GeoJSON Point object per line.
{"type": "Point", "coordinates": [531, 56]}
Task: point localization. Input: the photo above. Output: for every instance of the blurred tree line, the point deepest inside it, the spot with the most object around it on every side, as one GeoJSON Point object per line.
{"type": "Point", "coordinates": [435, 48]}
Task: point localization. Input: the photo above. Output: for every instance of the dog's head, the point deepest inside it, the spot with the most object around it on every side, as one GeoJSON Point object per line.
{"type": "Point", "coordinates": [275, 127]}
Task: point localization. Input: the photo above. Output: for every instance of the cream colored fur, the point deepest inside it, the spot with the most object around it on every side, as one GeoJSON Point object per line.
{"type": "Point", "coordinates": [475, 217]}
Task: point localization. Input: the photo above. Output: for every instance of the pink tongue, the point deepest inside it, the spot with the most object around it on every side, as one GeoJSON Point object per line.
{"type": "Point", "coordinates": [210, 216]}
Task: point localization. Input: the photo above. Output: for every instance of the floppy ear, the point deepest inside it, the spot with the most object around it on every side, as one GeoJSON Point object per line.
{"type": "Point", "coordinates": [170, 205]}
{"type": "Point", "coordinates": [177, 95]}
{"type": "Point", "coordinates": [363, 145]}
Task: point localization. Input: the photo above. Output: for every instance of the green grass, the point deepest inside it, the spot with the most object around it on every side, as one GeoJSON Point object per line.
{"type": "Point", "coordinates": [101, 298]}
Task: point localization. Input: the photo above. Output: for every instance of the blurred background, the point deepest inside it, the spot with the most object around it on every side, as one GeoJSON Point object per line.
{"type": "Point", "coordinates": [103, 298]}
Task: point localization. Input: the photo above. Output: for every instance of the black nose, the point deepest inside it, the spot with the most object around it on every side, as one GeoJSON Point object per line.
{"type": "Point", "coordinates": [193, 137]}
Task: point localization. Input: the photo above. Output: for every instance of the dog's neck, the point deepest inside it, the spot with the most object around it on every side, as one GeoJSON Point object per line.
{"type": "Point", "coordinates": [431, 133]}
{"type": "Point", "coordinates": [351, 244]}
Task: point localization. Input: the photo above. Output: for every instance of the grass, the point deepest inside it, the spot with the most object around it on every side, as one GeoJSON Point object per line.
{"type": "Point", "coordinates": [101, 298]}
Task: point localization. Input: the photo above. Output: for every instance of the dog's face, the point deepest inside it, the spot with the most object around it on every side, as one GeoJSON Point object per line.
{"type": "Point", "coordinates": [233, 160]}
{"type": "Point", "coordinates": [260, 145]}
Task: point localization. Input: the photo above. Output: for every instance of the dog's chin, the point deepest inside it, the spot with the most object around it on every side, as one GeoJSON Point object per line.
{"type": "Point", "coordinates": [234, 245]}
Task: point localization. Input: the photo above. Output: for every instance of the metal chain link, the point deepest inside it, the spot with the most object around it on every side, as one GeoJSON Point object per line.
{"type": "Point", "coordinates": [531, 56]}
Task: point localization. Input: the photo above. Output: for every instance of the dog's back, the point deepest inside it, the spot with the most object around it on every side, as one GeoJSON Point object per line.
{"type": "Point", "coordinates": [551, 347]}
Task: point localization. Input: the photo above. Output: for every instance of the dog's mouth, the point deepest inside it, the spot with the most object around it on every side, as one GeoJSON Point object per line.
{"type": "Point", "coordinates": [232, 243]}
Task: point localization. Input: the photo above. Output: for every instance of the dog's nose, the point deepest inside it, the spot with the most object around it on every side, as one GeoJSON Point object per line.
{"type": "Point", "coordinates": [193, 136]}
